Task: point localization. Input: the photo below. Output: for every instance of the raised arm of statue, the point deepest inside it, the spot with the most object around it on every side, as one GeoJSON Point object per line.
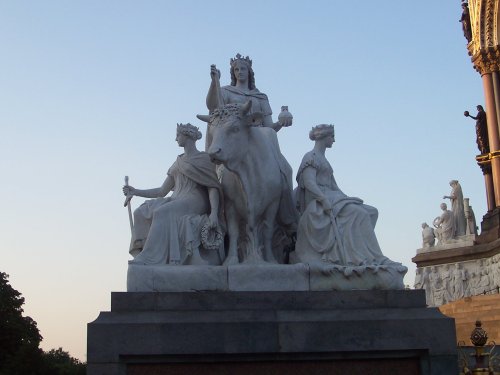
{"type": "Point", "coordinates": [214, 94]}
{"type": "Point", "coordinates": [242, 89]}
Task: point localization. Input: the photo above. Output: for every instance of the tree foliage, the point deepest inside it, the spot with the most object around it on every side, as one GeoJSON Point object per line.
{"type": "Point", "coordinates": [61, 363]}
{"type": "Point", "coordinates": [20, 340]}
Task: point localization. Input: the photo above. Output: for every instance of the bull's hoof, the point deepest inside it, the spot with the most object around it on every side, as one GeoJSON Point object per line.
{"type": "Point", "coordinates": [231, 260]}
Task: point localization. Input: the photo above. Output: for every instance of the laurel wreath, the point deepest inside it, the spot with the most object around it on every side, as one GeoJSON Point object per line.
{"type": "Point", "coordinates": [211, 238]}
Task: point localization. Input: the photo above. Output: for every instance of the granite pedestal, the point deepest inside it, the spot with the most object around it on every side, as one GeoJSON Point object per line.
{"type": "Point", "coordinates": [287, 332]}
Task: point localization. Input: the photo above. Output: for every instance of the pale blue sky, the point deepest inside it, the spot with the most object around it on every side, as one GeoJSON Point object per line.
{"type": "Point", "coordinates": [91, 91]}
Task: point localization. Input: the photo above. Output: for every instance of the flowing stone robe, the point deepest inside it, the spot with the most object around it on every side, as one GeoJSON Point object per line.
{"type": "Point", "coordinates": [458, 282]}
{"type": "Point", "coordinates": [346, 237]}
{"type": "Point", "coordinates": [175, 222]}
{"type": "Point", "coordinates": [428, 237]}
{"type": "Point", "coordinates": [457, 207]}
{"type": "Point", "coordinates": [260, 101]}
{"type": "Point", "coordinates": [446, 229]}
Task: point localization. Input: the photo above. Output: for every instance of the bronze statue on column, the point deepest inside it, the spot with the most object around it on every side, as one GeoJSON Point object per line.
{"type": "Point", "coordinates": [481, 129]}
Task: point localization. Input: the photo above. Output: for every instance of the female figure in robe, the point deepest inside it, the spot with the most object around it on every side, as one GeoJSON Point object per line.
{"type": "Point", "coordinates": [167, 230]}
{"type": "Point", "coordinates": [241, 89]}
{"type": "Point", "coordinates": [457, 207]}
{"type": "Point", "coordinates": [333, 227]}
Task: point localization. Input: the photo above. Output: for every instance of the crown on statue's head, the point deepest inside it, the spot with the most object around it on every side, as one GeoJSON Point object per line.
{"type": "Point", "coordinates": [322, 130]}
{"type": "Point", "coordinates": [189, 130]}
{"type": "Point", "coordinates": [238, 57]}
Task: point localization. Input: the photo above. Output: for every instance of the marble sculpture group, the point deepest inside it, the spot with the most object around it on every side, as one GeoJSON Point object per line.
{"type": "Point", "coordinates": [234, 203]}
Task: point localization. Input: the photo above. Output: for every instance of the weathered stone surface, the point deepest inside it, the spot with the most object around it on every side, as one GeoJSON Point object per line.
{"type": "Point", "coordinates": [162, 278]}
{"type": "Point", "coordinates": [269, 277]}
{"type": "Point", "coordinates": [262, 277]}
{"type": "Point", "coordinates": [323, 277]}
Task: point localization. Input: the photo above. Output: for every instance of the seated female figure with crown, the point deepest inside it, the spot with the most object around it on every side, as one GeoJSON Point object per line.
{"type": "Point", "coordinates": [168, 230]}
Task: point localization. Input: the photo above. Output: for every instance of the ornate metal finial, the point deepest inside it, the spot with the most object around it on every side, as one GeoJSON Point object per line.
{"type": "Point", "coordinates": [239, 57]}
{"type": "Point", "coordinates": [478, 336]}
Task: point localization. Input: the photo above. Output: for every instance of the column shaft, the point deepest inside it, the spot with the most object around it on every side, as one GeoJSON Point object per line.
{"type": "Point", "coordinates": [495, 77]}
{"type": "Point", "coordinates": [490, 191]}
{"type": "Point", "coordinates": [494, 140]}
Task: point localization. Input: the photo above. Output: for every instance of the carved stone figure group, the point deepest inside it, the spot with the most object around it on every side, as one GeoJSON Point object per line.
{"type": "Point", "coordinates": [242, 186]}
{"type": "Point", "coordinates": [451, 225]}
{"type": "Point", "coordinates": [168, 230]}
{"type": "Point", "coordinates": [451, 282]}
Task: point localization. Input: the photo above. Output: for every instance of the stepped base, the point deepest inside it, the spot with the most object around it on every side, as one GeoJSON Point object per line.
{"type": "Point", "coordinates": [355, 332]}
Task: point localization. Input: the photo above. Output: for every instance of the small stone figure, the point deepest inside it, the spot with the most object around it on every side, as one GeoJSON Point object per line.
{"type": "Point", "coordinates": [435, 295]}
{"type": "Point", "coordinates": [426, 285]}
{"type": "Point", "coordinates": [419, 279]}
{"type": "Point", "coordinates": [444, 225]}
{"type": "Point", "coordinates": [484, 282]}
{"type": "Point", "coordinates": [458, 282]}
{"type": "Point", "coordinates": [466, 23]}
{"type": "Point", "coordinates": [428, 236]}
{"type": "Point", "coordinates": [168, 230]}
{"type": "Point", "coordinates": [457, 207]}
{"type": "Point", "coordinates": [470, 217]}
{"type": "Point", "coordinates": [481, 129]}
{"type": "Point", "coordinates": [446, 275]}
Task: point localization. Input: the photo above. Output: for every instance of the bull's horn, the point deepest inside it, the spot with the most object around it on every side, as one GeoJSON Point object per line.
{"type": "Point", "coordinates": [205, 118]}
{"type": "Point", "coordinates": [246, 107]}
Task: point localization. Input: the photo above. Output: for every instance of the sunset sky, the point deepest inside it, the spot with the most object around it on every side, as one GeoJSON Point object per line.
{"type": "Point", "coordinates": [91, 91]}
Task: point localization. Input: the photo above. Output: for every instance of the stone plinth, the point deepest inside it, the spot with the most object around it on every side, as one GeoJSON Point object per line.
{"type": "Point", "coordinates": [460, 254]}
{"type": "Point", "coordinates": [462, 241]}
{"type": "Point", "coordinates": [262, 277]}
{"type": "Point", "coordinates": [354, 332]}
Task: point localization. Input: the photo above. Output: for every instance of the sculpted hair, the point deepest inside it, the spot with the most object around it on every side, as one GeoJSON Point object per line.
{"type": "Point", "coordinates": [189, 130]}
{"type": "Point", "coordinates": [248, 62]}
{"type": "Point", "coordinates": [321, 131]}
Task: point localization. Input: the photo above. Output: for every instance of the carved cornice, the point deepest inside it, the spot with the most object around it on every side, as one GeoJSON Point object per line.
{"type": "Point", "coordinates": [475, 18]}
{"type": "Point", "coordinates": [484, 47]}
{"type": "Point", "coordinates": [487, 60]}
{"type": "Point", "coordinates": [490, 39]}
{"type": "Point", "coordinates": [484, 162]}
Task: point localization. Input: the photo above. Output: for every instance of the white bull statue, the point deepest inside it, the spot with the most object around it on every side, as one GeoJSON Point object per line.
{"type": "Point", "coordinates": [257, 183]}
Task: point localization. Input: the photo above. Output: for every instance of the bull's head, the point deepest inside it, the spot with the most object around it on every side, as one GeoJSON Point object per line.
{"type": "Point", "coordinates": [230, 127]}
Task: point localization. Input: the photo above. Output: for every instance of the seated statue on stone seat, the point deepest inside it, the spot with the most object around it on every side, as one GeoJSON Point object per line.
{"type": "Point", "coordinates": [169, 230]}
{"type": "Point", "coordinates": [444, 225]}
{"type": "Point", "coordinates": [334, 228]}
